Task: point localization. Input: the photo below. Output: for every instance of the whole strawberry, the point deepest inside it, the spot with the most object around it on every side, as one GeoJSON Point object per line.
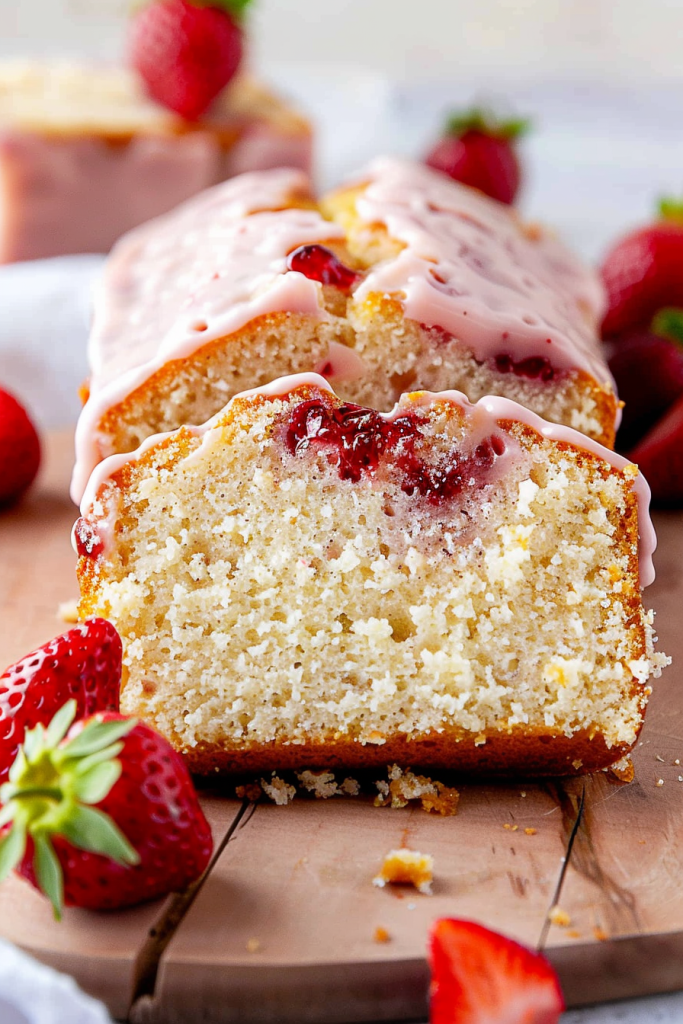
{"type": "Point", "coordinates": [83, 664]}
{"type": "Point", "coordinates": [187, 51]}
{"type": "Point", "coordinates": [647, 366]}
{"type": "Point", "coordinates": [19, 449]}
{"type": "Point", "coordinates": [480, 977]}
{"type": "Point", "coordinates": [479, 150]}
{"type": "Point", "coordinates": [643, 272]}
{"type": "Point", "coordinates": [101, 815]}
{"type": "Point", "coordinates": [659, 456]}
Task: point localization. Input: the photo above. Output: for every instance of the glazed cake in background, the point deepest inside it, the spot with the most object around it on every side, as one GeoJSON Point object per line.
{"type": "Point", "coordinates": [305, 582]}
{"type": "Point", "coordinates": [85, 156]}
{"type": "Point", "coordinates": [405, 281]}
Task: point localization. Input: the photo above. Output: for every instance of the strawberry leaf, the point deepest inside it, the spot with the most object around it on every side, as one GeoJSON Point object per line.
{"type": "Point", "coordinates": [96, 736]}
{"type": "Point", "coordinates": [83, 765]}
{"type": "Point", "coordinates": [12, 847]}
{"type": "Point", "coordinates": [670, 209]}
{"type": "Point", "coordinates": [49, 873]}
{"type": "Point", "coordinates": [60, 724]}
{"type": "Point", "coordinates": [235, 8]}
{"type": "Point", "coordinates": [95, 784]}
{"type": "Point", "coordinates": [92, 830]}
{"type": "Point", "coordinates": [481, 119]}
{"type": "Point", "coordinates": [668, 323]}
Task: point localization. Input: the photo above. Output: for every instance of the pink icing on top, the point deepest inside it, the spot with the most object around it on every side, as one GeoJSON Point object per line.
{"type": "Point", "coordinates": [483, 418]}
{"type": "Point", "coordinates": [471, 268]}
{"type": "Point", "coordinates": [216, 263]}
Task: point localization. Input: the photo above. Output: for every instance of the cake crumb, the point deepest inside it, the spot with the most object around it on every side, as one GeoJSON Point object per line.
{"type": "Point", "coordinates": [407, 867]}
{"type": "Point", "coordinates": [530, 831]}
{"type": "Point", "coordinates": [623, 770]}
{"type": "Point", "coordinates": [523, 793]}
{"type": "Point", "coordinates": [404, 786]}
{"type": "Point", "coordinates": [250, 791]}
{"type": "Point", "coordinates": [677, 761]}
{"type": "Point", "coordinates": [573, 934]}
{"type": "Point", "coordinates": [658, 758]}
{"type": "Point", "coordinates": [67, 611]}
{"type": "Point", "coordinates": [253, 945]}
{"type": "Point", "coordinates": [279, 791]}
{"type": "Point", "coordinates": [600, 934]}
{"type": "Point", "coordinates": [350, 787]}
{"type": "Point", "coordinates": [660, 782]}
{"type": "Point", "coordinates": [322, 783]}
{"type": "Point", "coordinates": [577, 764]}
{"type": "Point", "coordinates": [381, 934]}
{"type": "Point", "coordinates": [510, 828]}
{"type": "Point", "coordinates": [559, 917]}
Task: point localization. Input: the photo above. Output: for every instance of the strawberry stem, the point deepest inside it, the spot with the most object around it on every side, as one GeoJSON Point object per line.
{"type": "Point", "coordinates": [235, 8]}
{"type": "Point", "coordinates": [484, 120]}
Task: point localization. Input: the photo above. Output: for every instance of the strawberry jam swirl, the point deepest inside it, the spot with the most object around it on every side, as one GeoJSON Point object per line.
{"type": "Point", "coordinates": [359, 440]}
{"type": "Point", "coordinates": [481, 421]}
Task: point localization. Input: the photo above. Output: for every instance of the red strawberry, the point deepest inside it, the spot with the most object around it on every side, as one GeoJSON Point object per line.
{"type": "Point", "coordinates": [84, 663]}
{"type": "Point", "coordinates": [659, 455]}
{"type": "Point", "coordinates": [102, 816]}
{"type": "Point", "coordinates": [644, 272]}
{"type": "Point", "coordinates": [480, 977]}
{"type": "Point", "coordinates": [648, 369]}
{"type": "Point", "coordinates": [186, 52]}
{"type": "Point", "coordinates": [19, 449]}
{"type": "Point", "coordinates": [479, 150]}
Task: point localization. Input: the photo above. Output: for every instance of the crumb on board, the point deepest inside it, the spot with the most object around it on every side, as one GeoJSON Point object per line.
{"type": "Point", "coordinates": [381, 934]}
{"type": "Point", "coordinates": [530, 831]}
{"type": "Point", "coordinates": [279, 791]}
{"type": "Point", "coordinates": [559, 917]}
{"type": "Point", "coordinates": [407, 867]}
{"type": "Point", "coordinates": [659, 758]}
{"type": "Point", "coordinates": [600, 933]}
{"type": "Point", "coordinates": [660, 782]}
{"type": "Point", "coordinates": [404, 786]}
{"type": "Point", "coordinates": [250, 791]}
{"type": "Point", "coordinates": [509, 827]}
{"type": "Point", "coordinates": [573, 934]}
{"type": "Point", "coordinates": [67, 611]}
{"type": "Point", "coordinates": [577, 764]}
{"type": "Point", "coordinates": [622, 770]}
{"type": "Point", "coordinates": [253, 945]}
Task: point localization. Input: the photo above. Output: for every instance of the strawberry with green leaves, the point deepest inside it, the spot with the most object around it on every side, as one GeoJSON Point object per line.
{"type": "Point", "coordinates": [643, 272]}
{"type": "Point", "coordinates": [101, 814]}
{"type": "Point", "coordinates": [479, 150]}
{"type": "Point", "coordinates": [481, 977]}
{"type": "Point", "coordinates": [186, 51]}
{"type": "Point", "coordinates": [84, 664]}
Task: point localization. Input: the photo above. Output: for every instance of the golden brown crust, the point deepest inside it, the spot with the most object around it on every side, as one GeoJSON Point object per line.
{"type": "Point", "coordinates": [524, 754]}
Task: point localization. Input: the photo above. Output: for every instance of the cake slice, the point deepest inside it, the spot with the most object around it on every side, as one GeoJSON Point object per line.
{"type": "Point", "coordinates": [304, 582]}
{"type": "Point", "coordinates": [404, 281]}
{"type": "Point", "coordinates": [85, 156]}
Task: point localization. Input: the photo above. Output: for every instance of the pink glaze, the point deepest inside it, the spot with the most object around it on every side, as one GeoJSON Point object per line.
{"type": "Point", "coordinates": [470, 268]}
{"type": "Point", "coordinates": [483, 419]}
{"type": "Point", "coordinates": [198, 274]}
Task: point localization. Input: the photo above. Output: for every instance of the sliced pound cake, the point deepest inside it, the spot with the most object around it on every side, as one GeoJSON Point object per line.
{"type": "Point", "coordinates": [304, 582]}
{"type": "Point", "coordinates": [406, 281]}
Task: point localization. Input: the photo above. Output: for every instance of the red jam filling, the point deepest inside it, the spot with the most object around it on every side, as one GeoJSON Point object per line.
{"type": "Point", "coordinates": [358, 439]}
{"type": "Point", "coordinates": [534, 367]}
{"type": "Point", "coordinates": [320, 264]}
{"type": "Point", "coordinates": [89, 544]}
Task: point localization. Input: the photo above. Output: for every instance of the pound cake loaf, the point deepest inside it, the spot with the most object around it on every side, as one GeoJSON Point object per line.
{"type": "Point", "coordinates": [85, 155]}
{"type": "Point", "coordinates": [305, 582]}
{"type": "Point", "coordinates": [405, 281]}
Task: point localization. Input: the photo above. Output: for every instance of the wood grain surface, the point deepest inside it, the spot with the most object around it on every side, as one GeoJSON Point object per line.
{"type": "Point", "coordinates": [283, 926]}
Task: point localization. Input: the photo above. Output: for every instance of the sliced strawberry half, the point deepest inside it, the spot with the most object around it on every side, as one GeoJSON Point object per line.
{"type": "Point", "coordinates": [659, 456]}
{"type": "Point", "coordinates": [481, 977]}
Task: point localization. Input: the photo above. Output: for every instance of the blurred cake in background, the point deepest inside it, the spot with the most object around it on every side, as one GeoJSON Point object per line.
{"type": "Point", "coordinates": [85, 155]}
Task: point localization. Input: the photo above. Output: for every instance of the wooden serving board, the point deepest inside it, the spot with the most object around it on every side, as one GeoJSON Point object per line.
{"type": "Point", "coordinates": [283, 926]}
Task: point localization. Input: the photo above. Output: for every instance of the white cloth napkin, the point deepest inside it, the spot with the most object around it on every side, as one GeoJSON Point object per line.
{"type": "Point", "coordinates": [31, 993]}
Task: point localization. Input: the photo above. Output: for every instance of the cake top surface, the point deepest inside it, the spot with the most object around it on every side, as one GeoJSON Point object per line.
{"type": "Point", "coordinates": [467, 264]}
{"type": "Point", "coordinates": [481, 418]}
{"type": "Point", "coordinates": [69, 98]}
